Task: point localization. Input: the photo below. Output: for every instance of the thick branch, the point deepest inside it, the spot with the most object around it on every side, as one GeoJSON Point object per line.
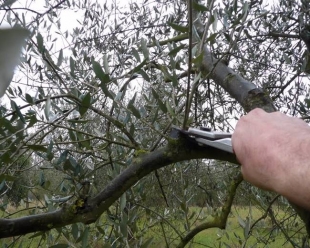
{"type": "Point", "coordinates": [89, 211]}
{"type": "Point", "coordinates": [245, 92]}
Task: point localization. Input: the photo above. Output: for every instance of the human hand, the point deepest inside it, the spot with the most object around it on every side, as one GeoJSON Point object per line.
{"type": "Point", "coordinates": [274, 151]}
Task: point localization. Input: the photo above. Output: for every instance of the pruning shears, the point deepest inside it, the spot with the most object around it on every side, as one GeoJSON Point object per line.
{"type": "Point", "coordinates": [204, 136]}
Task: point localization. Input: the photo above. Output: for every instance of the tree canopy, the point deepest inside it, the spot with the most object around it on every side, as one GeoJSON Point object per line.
{"type": "Point", "coordinates": [86, 123]}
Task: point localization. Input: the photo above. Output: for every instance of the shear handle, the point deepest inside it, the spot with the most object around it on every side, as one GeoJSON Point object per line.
{"type": "Point", "coordinates": [210, 135]}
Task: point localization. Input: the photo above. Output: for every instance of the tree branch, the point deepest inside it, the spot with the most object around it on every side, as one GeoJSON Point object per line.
{"type": "Point", "coordinates": [89, 210]}
{"type": "Point", "coordinates": [245, 92]}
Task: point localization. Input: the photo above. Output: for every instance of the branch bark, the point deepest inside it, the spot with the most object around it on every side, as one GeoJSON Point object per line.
{"type": "Point", "coordinates": [246, 93]}
{"type": "Point", "coordinates": [89, 210]}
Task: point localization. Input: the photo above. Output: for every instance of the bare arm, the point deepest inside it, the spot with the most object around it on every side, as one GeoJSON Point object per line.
{"type": "Point", "coordinates": [274, 150]}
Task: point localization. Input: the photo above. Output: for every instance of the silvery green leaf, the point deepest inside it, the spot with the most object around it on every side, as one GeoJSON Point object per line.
{"type": "Point", "coordinates": [75, 114]}
{"type": "Point", "coordinates": [47, 108]}
{"type": "Point", "coordinates": [11, 42]}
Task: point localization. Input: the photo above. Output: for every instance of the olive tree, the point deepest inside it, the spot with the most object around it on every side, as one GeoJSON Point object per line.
{"type": "Point", "coordinates": [100, 104]}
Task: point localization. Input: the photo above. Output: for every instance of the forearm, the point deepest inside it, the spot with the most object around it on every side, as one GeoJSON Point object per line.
{"type": "Point", "coordinates": [294, 183]}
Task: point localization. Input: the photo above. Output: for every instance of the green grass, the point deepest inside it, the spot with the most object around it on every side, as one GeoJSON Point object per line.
{"type": "Point", "coordinates": [234, 236]}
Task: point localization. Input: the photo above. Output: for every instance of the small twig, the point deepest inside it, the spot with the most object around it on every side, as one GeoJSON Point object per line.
{"type": "Point", "coordinates": [264, 215]}
{"type": "Point", "coordinates": [190, 31]}
{"type": "Point", "coordinates": [161, 188]}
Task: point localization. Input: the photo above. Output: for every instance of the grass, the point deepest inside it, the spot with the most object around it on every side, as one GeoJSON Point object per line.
{"type": "Point", "coordinates": [265, 233]}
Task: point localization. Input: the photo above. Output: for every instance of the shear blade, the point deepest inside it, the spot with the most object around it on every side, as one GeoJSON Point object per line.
{"type": "Point", "coordinates": [210, 135]}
